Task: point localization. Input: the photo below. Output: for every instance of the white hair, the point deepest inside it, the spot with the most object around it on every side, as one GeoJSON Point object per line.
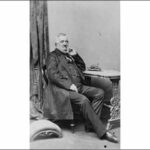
{"type": "Point", "coordinates": [57, 37]}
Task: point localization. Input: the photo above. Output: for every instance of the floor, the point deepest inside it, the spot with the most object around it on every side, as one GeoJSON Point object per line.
{"type": "Point", "coordinates": [77, 140]}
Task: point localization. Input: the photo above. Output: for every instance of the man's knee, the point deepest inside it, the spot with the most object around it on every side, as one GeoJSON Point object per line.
{"type": "Point", "coordinates": [109, 91]}
{"type": "Point", "coordinates": [109, 87]}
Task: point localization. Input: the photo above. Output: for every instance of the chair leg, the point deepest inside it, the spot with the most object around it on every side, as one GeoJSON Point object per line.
{"type": "Point", "coordinates": [72, 125]}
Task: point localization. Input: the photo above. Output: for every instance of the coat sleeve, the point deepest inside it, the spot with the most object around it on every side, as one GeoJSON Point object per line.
{"type": "Point", "coordinates": [55, 75]}
{"type": "Point", "coordinates": [79, 62]}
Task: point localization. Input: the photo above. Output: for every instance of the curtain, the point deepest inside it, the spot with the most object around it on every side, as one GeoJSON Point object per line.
{"type": "Point", "coordinates": [39, 48]}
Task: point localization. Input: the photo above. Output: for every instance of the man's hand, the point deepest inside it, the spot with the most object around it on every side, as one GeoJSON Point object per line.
{"type": "Point", "coordinates": [73, 88]}
{"type": "Point", "coordinates": [72, 52]}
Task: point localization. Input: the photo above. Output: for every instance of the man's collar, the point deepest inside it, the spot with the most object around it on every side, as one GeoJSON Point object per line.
{"type": "Point", "coordinates": [60, 52]}
{"type": "Point", "coordinates": [67, 56]}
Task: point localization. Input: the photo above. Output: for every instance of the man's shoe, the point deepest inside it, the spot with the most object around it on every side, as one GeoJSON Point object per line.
{"type": "Point", "coordinates": [109, 137]}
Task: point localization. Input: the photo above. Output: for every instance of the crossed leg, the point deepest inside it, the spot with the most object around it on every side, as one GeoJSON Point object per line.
{"type": "Point", "coordinates": [88, 112]}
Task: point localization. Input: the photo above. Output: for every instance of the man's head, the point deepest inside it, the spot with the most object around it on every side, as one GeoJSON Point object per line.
{"type": "Point", "coordinates": [62, 42]}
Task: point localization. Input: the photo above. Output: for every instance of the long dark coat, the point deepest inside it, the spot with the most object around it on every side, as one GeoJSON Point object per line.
{"type": "Point", "coordinates": [57, 104]}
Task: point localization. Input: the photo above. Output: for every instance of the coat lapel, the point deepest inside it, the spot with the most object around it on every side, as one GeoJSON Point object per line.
{"type": "Point", "coordinates": [62, 60]}
{"type": "Point", "coordinates": [64, 63]}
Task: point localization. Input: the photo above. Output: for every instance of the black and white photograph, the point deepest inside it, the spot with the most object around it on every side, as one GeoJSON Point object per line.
{"type": "Point", "coordinates": [75, 74]}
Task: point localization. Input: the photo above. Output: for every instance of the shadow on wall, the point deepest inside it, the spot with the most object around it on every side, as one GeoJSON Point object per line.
{"type": "Point", "coordinates": [93, 29]}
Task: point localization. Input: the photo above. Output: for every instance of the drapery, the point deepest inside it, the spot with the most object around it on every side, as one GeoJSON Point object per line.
{"type": "Point", "coordinates": [39, 48]}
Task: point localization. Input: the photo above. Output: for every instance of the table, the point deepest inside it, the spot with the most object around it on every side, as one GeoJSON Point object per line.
{"type": "Point", "coordinates": [114, 76]}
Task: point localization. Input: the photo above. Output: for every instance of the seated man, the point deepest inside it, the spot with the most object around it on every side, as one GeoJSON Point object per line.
{"type": "Point", "coordinates": [64, 68]}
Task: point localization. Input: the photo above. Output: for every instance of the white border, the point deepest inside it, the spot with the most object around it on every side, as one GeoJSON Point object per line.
{"type": "Point", "coordinates": [135, 74]}
{"type": "Point", "coordinates": [14, 76]}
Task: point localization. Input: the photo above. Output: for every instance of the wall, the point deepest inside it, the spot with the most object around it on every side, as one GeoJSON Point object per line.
{"type": "Point", "coordinates": [93, 28]}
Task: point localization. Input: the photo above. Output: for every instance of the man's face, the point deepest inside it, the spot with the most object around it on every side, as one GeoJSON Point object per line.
{"type": "Point", "coordinates": [63, 44]}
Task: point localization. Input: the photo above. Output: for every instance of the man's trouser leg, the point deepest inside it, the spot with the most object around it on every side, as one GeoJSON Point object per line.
{"type": "Point", "coordinates": [96, 96]}
{"type": "Point", "coordinates": [88, 112]}
{"type": "Point", "coordinates": [106, 85]}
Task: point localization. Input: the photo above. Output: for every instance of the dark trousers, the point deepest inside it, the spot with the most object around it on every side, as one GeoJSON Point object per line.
{"type": "Point", "coordinates": [90, 101]}
{"type": "Point", "coordinates": [106, 85]}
